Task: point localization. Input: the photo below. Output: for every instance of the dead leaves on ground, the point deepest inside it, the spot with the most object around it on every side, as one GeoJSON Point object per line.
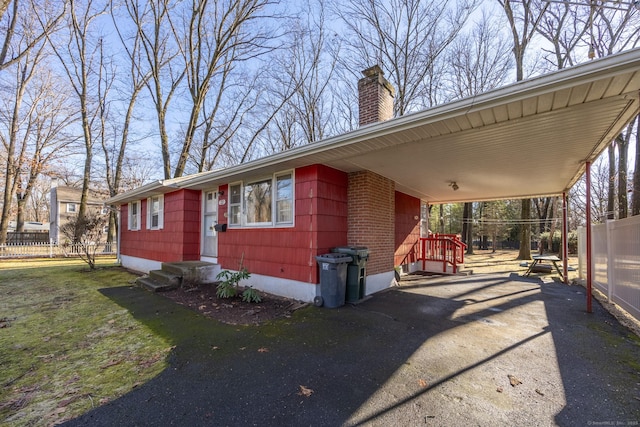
{"type": "Point", "coordinates": [305, 391]}
{"type": "Point", "coordinates": [513, 380]}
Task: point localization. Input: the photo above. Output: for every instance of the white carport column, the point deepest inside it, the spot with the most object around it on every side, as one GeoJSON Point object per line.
{"type": "Point", "coordinates": [565, 238]}
{"type": "Point", "coordinates": [588, 220]}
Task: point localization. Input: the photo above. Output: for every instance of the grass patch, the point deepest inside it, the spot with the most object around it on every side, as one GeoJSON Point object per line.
{"type": "Point", "coordinates": [65, 347]}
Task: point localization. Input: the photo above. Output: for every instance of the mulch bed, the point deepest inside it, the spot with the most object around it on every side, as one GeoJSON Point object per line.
{"type": "Point", "coordinates": [233, 311]}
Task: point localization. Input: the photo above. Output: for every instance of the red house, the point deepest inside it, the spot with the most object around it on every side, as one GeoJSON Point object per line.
{"type": "Point", "coordinates": [366, 188]}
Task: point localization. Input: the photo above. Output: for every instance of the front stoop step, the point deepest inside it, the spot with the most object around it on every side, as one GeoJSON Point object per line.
{"type": "Point", "coordinates": [174, 274]}
{"type": "Point", "coordinates": [146, 282]}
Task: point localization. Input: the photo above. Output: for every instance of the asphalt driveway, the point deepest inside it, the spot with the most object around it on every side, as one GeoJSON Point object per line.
{"type": "Point", "coordinates": [478, 350]}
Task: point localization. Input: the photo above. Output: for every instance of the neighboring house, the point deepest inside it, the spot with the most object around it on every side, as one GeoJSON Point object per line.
{"type": "Point", "coordinates": [274, 215]}
{"type": "Point", "coordinates": [65, 202]}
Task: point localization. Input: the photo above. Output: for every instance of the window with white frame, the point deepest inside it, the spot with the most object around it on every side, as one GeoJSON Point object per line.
{"type": "Point", "coordinates": [284, 199]}
{"type": "Point", "coordinates": [72, 208]}
{"type": "Point", "coordinates": [155, 212]}
{"type": "Point", "coordinates": [258, 203]}
{"type": "Point", "coordinates": [263, 202]}
{"type": "Point", "coordinates": [134, 215]}
{"type": "Point", "coordinates": [235, 204]}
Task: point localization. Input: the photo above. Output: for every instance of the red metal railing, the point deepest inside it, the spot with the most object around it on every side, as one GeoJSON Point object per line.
{"type": "Point", "coordinates": [445, 248]}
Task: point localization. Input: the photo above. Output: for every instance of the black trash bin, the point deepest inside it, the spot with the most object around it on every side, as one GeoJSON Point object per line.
{"type": "Point", "coordinates": [356, 271]}
{"type": "Point", "coordinates": [333, 279]}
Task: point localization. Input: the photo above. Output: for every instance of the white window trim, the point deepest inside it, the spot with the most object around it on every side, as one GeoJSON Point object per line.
{"type": "Point", "coordinates": [240, 205]}
{"type": "Point", "coordinates": [160, 225]}
{"type": "Point", "coordinates": [270, 224]}
{"type": "Point", "coordinates": [138, 215]}
{"type": "Point", "coordinates": [275, 198]}
{"type": "Point", "coordinates": [75, 208]}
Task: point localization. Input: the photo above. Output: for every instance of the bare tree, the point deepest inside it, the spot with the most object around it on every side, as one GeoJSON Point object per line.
{"type": "Point", "coordinates": [115, 148]}
{"type": "Point", "coordinates": [479, 61]}
{"type": "Point", "coordinates": [565, 27]}
{"type": "Point", "coordinates": [159, 59]}
{"type": "Point", "coordinates": [306, 67]}
{"type": "Point", "coordinates": [28, 20]}
{"type": "Point", "coordinates": [599, 190]}
{"type": "Point", "coordinates": [46, 129]}
{"type": "Point", "coordinates": [86, 232]}
{"type": "Point", "coordinates": [614, 29]}
{"type": "Point", "coordinates": [214, 38]}
{"type": "Point", "coordinates": [80, 54]}
{"type": "Point", "coordinates": [406, 38]}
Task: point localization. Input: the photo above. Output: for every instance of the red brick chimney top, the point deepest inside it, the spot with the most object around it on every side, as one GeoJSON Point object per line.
{"type": "Point", "coordinates": [375, 97]}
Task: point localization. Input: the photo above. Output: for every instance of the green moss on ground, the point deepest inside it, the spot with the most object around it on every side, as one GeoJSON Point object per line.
{"type": "Point", "coordinates": [64, 346]}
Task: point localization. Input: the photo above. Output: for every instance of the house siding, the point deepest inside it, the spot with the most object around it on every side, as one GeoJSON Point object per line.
{"type": "Point", "coordinates": [407, 228]}
{"type": "Point", "coordinates": [178, 240]}
{"type": "Point", "coordinates": [371, 211]}
{"type": "Point", "coordinates": [289, 252]}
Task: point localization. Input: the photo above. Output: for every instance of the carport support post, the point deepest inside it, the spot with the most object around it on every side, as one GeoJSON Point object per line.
{"type": "Point", "coordinates": [589, 263]}
{"type": "Point", "coordinates": [565, 239]}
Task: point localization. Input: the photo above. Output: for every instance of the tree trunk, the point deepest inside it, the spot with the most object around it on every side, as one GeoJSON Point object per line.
{"type": "Point", "coordinates": [525, 233]}
{"type": "Point", "coordinates": [611, 188]}
{"type": "Point", "coordinates": [623, 146]}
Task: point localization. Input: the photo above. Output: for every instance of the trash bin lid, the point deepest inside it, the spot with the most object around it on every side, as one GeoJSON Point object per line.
{"type": "Point", "coordinates": [359, 251]}
{"type": "Point", "coordinates": [334, 258]}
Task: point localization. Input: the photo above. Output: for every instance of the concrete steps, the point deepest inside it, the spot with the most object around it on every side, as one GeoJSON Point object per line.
{"type": "Point", "coordinates": [175, 274]}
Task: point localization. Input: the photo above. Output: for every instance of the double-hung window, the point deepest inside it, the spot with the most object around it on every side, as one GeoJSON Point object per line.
{"type": "Point", "coordinates": [134, 215]}
{"type": "Point", "coordinates": [262, 203]}
{"type": "Point", "coordinates": [284, 199]}
{"type": "Point", "coordinates": [72, 208]}
{"type": "Point", "coordinates": [155, 212]}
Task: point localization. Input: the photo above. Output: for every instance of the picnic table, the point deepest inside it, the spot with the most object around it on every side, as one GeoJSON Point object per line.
{"type": "Point", "coordinates": [539, 265]}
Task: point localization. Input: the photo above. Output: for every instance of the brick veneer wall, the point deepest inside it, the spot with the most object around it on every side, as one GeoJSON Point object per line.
{"type": "Point", "coordinates": [371, 209]}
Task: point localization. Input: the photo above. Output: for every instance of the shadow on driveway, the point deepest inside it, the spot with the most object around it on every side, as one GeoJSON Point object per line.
{"type": "Point", "coordinates": [438, 351]}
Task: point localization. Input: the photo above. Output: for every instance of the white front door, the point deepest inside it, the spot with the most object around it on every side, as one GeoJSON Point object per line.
{"type": "Point", "coordinates": [209, 220]}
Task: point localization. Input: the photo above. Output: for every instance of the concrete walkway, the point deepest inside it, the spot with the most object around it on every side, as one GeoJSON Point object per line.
{"type": "Point", "coordinates": [486, 350]}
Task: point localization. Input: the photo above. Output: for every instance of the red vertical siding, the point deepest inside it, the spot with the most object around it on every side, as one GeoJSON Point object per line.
{"type": "Point", "coordinates": [289, 252]}
{"type": "Point", "coordinates": [178, 240]}
{"type": "Point", "coordinates": [407, 228]}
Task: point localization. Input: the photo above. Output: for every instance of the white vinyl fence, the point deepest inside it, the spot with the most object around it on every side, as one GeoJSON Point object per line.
{"type": "Point", "coordinates": [615, 249]}
{"type": "Point", "coordinates": [52, 250]}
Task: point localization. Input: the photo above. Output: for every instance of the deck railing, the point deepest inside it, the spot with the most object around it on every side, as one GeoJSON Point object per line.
{"type": "Point", "coordinates": [51, 250]}
{"type": "Point", "coordinates": [447, 249]}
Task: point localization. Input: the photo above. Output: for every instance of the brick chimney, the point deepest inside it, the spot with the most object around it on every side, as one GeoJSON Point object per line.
{"type": "Point", "coordinates": [375, 97]}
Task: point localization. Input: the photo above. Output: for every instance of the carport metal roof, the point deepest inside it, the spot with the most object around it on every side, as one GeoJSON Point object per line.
{"type": "Point", "coordinates": [527, 139]}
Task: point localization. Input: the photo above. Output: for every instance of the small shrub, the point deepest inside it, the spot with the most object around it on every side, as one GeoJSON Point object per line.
{"type": "Point", "coordinates": [251, 295]}
{"type": "Point", "coordinates": [228, 285]}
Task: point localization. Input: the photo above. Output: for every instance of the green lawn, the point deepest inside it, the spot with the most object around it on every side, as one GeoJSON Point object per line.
{"type": "Point", "coordinates": [65, 347]}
